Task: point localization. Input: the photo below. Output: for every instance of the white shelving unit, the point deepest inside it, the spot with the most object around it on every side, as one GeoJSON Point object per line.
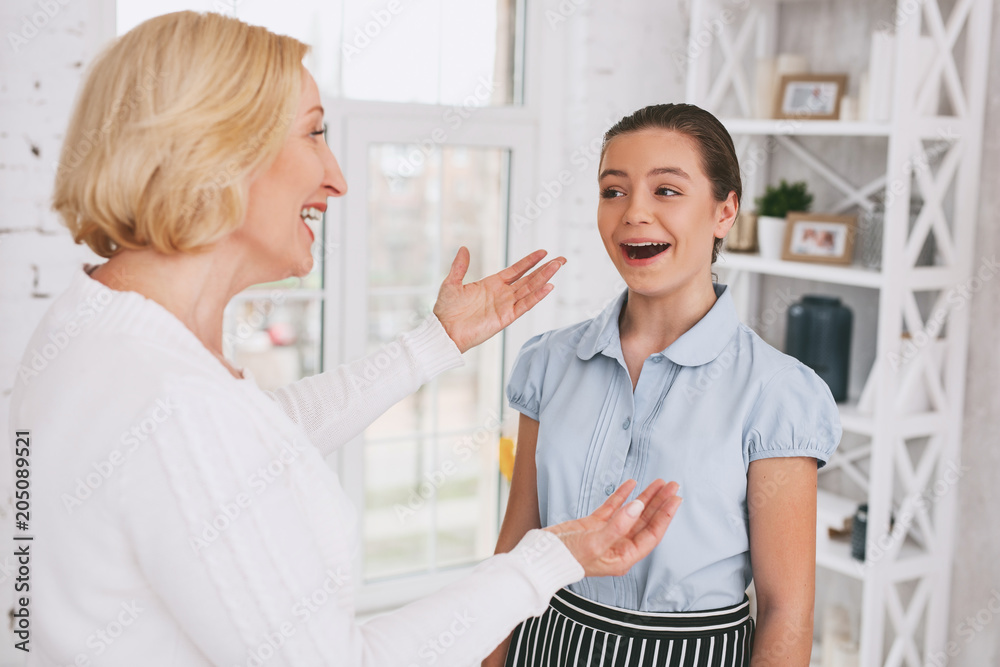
{"type": "Point", "coordinates": [902, 455]}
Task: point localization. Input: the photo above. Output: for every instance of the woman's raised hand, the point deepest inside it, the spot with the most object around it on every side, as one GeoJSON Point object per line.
{"type": "Point", "coordinates": [614, 538]}
{"type": "Point", "coordinates": [474, 312]}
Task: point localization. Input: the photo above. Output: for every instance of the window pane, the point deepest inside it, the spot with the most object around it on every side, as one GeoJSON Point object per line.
{"type": "Point", "coordinates": [425, 204]}
{"type": "Point", "coordinates": [397, 520]}
{"type": "Point", "coordinates": [449, 52]}
{"type": "Point", "coordinates": [466, 498]}
{"type": "Point", "coordinates": [430, 460]}
{"type": "Point", "coordinates": [277, 337]}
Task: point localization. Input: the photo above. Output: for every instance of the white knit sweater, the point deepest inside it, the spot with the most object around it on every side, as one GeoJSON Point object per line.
{"type": "Point", "coordinates": [184, 517]}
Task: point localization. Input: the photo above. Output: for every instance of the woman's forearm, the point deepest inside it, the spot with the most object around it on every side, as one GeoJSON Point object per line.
{"type": "Point", "coordinates": [338, 404]}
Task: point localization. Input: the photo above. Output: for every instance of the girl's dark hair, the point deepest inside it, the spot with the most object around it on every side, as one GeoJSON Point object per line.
{"type": "Point", "coordinates": [718, 155]}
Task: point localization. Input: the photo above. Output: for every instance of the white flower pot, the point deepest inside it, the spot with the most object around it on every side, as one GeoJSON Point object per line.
{"type": "Point", "coordinates": [770, 236]}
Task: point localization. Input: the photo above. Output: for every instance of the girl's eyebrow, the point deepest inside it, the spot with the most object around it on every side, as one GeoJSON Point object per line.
{"type": "Point", "coordinates": [676, 171]}
{"type": "Point", "coordinates": [657, 171]}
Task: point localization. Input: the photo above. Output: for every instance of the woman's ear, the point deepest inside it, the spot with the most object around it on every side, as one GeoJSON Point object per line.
{"type": "Point", "coordinates": [725, 215]}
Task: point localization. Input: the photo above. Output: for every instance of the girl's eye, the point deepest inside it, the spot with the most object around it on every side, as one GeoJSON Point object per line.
{"type": "Point", "coordinates": [610, 193]}
{"type": "Point", "coordinates": [666, 192]}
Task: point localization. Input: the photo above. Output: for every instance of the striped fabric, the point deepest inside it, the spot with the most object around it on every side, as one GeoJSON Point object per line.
{"type": "Point", "coordinates": [575, 631]}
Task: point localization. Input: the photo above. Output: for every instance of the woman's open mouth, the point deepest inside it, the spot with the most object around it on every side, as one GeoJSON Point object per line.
{"type": "Point", "coordinates": [640, 254]}
{"type": "Point", "coordinates": [311, 214]}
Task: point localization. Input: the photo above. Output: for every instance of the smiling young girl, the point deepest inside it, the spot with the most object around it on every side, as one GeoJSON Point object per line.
{"type": "Point", "coordinates": [667, 382]}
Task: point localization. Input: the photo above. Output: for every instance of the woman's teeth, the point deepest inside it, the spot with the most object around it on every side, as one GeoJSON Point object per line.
{"type": "Point", "coordinates": [645, 249]}
{"type": "Point", "coordinates": [311, 213]}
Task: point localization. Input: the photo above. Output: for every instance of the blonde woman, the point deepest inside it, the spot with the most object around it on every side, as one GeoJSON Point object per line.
{"type": "Point", "coordinates": [208, 529]}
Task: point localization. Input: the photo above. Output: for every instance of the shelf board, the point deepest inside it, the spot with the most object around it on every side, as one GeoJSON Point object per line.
{"type": "Point", "coordinates": [855, 421]}
{"type": "Point", "coordinates": [812, 128]}
{"type": "Point", "coordinates": [835, 554]}
{"type": "Point", "coordinates": [909, 425]}
{"type": "Point", "coordinates": [841, 275]}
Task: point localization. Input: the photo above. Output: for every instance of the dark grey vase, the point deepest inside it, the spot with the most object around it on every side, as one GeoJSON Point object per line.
{"type": "Point", "coordinates": [818, 334]}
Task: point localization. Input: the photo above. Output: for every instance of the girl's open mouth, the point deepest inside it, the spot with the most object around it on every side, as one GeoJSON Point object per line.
{"type": "Point", "coordinates": [642, 253]}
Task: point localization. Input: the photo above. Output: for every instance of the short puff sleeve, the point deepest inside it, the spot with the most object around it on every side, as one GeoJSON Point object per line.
{"type": "Point", "coordinates": [795, 415]}
{"type": "Point", "coordinates": [524, 389]}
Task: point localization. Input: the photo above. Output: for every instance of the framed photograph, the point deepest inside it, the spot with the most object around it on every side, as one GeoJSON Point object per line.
{"type": "Point", "coordinates": [813, 237]}
{"type": "Point", "coordinates": [810, 96]}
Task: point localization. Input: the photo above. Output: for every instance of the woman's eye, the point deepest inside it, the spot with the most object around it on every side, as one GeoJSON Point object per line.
{"type": "Point", "coordinates": [317, 132]}
{"type": "Point", "coordinates": [611, 193]}
{"type": "Point", "coordinates": [666, 192]}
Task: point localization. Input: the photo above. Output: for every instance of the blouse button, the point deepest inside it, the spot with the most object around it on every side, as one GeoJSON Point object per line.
{"type": "Point", "coordinates": [609, 489]}
{"type": "Point", "coordinates": [657, 359]}
{"type": "Point", "coordinates": [627, 422]}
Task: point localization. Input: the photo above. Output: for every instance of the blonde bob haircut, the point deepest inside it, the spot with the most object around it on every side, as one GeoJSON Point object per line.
{"type": "Point", "coordinates": [174, 120]}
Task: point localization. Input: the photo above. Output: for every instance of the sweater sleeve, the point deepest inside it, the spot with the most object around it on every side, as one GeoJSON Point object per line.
{"type": "Point", "coordinates": [334, 406]}
{"type": "Point", "coordinates": [246, 539]}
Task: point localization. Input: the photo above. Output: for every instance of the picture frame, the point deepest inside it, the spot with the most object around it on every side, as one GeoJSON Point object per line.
{"type": "Point", "coordinates": [819, 238]}
{"type": "Point", "coordinates": [810, 96]}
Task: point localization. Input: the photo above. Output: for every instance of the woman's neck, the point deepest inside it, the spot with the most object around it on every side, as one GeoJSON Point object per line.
{"type": "Point", "coordinates": [195, 288]}
{"type": "Point", "coordinates": [652, 323]}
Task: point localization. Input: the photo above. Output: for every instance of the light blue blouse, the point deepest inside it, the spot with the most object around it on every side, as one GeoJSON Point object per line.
{"type": "Point", "coordinates": [715, 400]}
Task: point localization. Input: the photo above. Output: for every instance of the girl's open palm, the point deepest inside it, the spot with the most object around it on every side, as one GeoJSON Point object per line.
{"type": "Point", "coordinates": [614, 538]}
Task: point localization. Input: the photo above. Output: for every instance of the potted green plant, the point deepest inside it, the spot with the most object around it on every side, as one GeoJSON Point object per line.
{"type": "Point", "coordinates": [772, 208]}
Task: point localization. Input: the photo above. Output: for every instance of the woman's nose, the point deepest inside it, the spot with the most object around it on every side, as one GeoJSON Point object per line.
{"type": "Point", "coordinates": [333, 178]}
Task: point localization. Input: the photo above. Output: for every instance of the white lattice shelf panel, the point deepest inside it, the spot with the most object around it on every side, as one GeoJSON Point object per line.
{"type": "Point", "coordinates": [841, 275]}
{"type": "Point", "coordinates": [920, 278]}
{"type": "Point", "coordinates": [813, 128]}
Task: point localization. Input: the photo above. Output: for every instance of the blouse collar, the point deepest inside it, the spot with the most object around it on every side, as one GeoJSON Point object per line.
{"type": "Point", "coordinates": [698, 345]}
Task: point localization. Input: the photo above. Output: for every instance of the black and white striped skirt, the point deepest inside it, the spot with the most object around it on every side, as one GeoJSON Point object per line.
{"type": "Point", "coordinates": [577, 631]}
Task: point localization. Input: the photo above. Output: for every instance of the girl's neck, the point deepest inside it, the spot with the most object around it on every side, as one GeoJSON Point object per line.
{"type": "Point", "coordinates": [652, 323]}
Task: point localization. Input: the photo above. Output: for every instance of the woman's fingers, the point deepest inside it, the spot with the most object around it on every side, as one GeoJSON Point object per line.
{"type": "Point", "coordinates": [655, 521]}
{"type": "Point", "coordinates": [459, 267]}
{"type": "Point", "coordinates": [538, 278]}
{"type": "Point", "coordinates": [614, 501]}
{"type": "Point", "coordinates": [617, 535]}
{"type": "Point", "coordinates": [653, 496]}
{"type": "Point", "coordinates": [520, 267]}
{"type": "Point", "coordinates": [642, 522]}
{"type": "Point", "coordinates": [650, 491]}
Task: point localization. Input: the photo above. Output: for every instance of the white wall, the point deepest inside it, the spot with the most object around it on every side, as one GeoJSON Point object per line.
{"type": "Point", "coordinates": [621, 56]}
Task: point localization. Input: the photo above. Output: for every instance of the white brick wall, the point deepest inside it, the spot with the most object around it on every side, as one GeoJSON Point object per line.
{"type": "Point", "coordinates": [38, 81]}
{"type": "Point", "coordinates": [621, 58]}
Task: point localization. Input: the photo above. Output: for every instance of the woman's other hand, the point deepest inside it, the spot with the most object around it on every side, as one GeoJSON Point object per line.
{"type": "Point", "coordinates": [473, 313]}
{"type": "Point", "coordinates": [614, 538]}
